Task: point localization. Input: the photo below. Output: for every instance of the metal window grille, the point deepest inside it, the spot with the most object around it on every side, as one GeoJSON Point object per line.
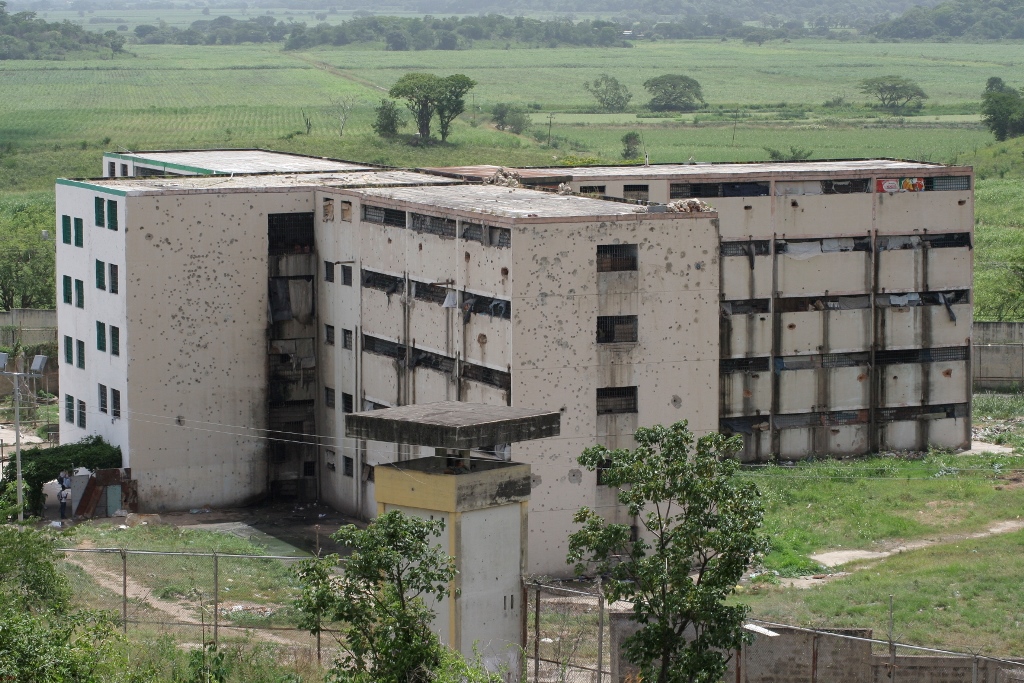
{"type": "Point", "coordinates": [103, 398]}
{"type": "Point", "coordinates": [101, 275]}
{"type": "Point", "coordinates": [442, 227]}
{"type": "Point", "coordinates": [69, 408]}
{"type": "Point", "coordinates": [948, 182]}
{"type": "Point", "coordinates": [500, 237]}
{"type": "Point", "coordinates": [113, 279]}
{"type": "Point", "coordinates": [346, 402]}
{"type": "Point", "coordinates": [383, 347]}
{"type": "Point", "coordinates": [485, 305]}
{"type": "Point", "coordinates": [145, 171]}
{"type": "Point", "coordinates": [614, 400]}
{"type": "Point", "coordinates": [111, 169]}
{"type": "Point", "coordinates": [346, 339]}
{"type": "Point", "coordinates": [329, 334]}
{"type": "Point", "coordinates": [844, 360]}
{"type": "Point", "coordinates": [728, 366]}
{"type": "Point", "coordinates": [820, 419]}
{"type": "Point", "coordinates": [488, 376]}
{"type": "Point", "coordinates": [80, 348]}
{"type": "Point", "coordinates": [592, 189]}
{"type": "Point", "coordinates": [69, 350]}
{"type": "Point", "coordinates": [933, 412]}
{"type": "Point", "coordinates": [65, 225]}
{"type": "Point", "coordinates": [329, 397]}
{"type": "Point", "coordinates": [79, 233]}
{"type": "Point", "coordinates": [67, 289]}
{"type": "Point", "coordinates": [99, 207]}
{"type": "Point", "coordinates": [940, 355]}
{"type": "Point", "coordinates": [81, 414]}
{"type": "Point", "coordinates": [613, 329]}
{"type": "Point", "coordinates": [603, 467]}
{"type": "Point", "coordinates": [745, 189]}
{"type": "Point", "coordinates": [124, 169]}
{"type": "Point", "coordinates": [853, 186]}
{"type": "Point", "coordinates": [329, 271]}
{"type": "Point", "coordinates": [947, 240]}
{"type": "Point", "coordinates": [688, 190]}
{"type": "Point", "coordinates": [427, 292]}
{"type": "Point", "coordinates": [636, 192]}
{"type": "Point", "coordinates": [290, 232]}
{"type": "Point", "coordinates": [473, 231]}
{"type": "Point", "coordinates": [616, 257]}
{"type": "Point", "coordinates": [434, 361]}
{"type": "Point", "coordinates": [746, 306]}
{"type": "Point", "coordinates": [806, 304]}
{"type": "Point", "coordinates": [111, 214]}
{"type": "Point", "coordinates": [383, 216]}
{"type": "Point", "coordinates": [115, 403]}
{"type": "Point", "coordinates": [389, 284]}
{"type": "Point", "coordinates": [79, 294]}
{"type": "Point", "coordinates": [309, 468]}
{"type": "Point", "coordinates": [349, 466]}
{"type": "Point", "coordinates": [346, 275]}
{"type": "Point", "coordinates": [751, 248]}
{"type": "Point", "coordinates": [115, 341]}
{"type": "Point", "coordinates": [101, 336]}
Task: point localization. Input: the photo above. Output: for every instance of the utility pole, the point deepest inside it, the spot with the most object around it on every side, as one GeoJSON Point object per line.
{"type": "Point", "coordinates": [551, 118]}
{"type": "Point", "coordinates": [38, 364]}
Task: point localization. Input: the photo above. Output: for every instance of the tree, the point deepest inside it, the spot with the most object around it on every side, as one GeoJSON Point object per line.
{"type": "Point", "coordinates": [388, 119]}
{"type": "Point", "coordinates": [397, 40]}
{"type": "Point", "coordinates": [379, 598]}
{"type": "Point", "coordinates": [631, 142]}
{"type": "Point", "coordinates": [27, 261]}
{"type": "Point", "coordinates": [342, 107]}
{"type": "Point", "coordinates": [451, 102]}
{"type": "Point", "coordinates": [893, 92]}
{"type": "Point", "coordinates": [420, 92]}
{"type": "Point", "coordinates": [1002, 109]}
{"type": "Point", "coordinates": [674, 92]}
{"type": "Point", "coordinates": [609, 93]}
{"type": "Point", "coordinates": [794, 154]}
{"type": "Point", "coordinates": [699, 532]}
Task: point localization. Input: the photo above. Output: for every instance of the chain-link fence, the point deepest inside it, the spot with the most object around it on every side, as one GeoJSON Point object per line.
{"type": "Point", "coordinates": [566, 634]}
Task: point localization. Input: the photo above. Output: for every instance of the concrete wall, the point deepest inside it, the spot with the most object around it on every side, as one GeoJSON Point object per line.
{"type": "Point", "coordinates": [998, 356]}
{"type": "Point", "coordinates": [28, 325]}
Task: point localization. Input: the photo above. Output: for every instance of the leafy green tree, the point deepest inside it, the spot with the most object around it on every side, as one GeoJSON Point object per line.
{"type": "Point", "coordinates": [631, 142]}
{"type": "Point", "coordinates": [388, 120]}
{"type": "Point", "coordinates": [699, 532]}
{"type": "Point", "coordinates": [420, 92]}
{"type": "Point", "coordinates": [674, 92]}
{"type": "Point", "coordinates": [1002, 109]}
{"type": "Point", "coordinates": [794, 154]}
{"type": "Point", "coordinates": [451, 101]}
{"type": "Point", "coordinates": [27, 261]}
{"type": "Point", "coordinates": [397, 40]}
{"type": "Point", "coordinates": [510, 117]}
{"type": "Point", "coordinates": [610, 94]}
{"type": "Point", "coordinates": [378, 598]}
{"type": "Point", "coordinates": [893, 92]}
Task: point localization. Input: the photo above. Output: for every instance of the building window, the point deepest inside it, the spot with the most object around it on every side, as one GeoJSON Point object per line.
{"type": "Point", "coordinates": [616, 257]}
{"type": "Point", "coordinates": [500, 237]}
{"type": "Point", "coordinates": [378, 214]}
{"type": "Point", "coordinates": [113, 279]}
{"type": "Point", "coordinates": [639, 193]}
{"type": "Point", "coordinates": [115, 403]}
{"type": "Point", "coordinates": [612, 400]}
{"type": "Point", "coordinates": [69, 350]}
{"type": "Point", "coordinates": [592, 189]}
{"type": "Point", "coordinates": [112, 214]}
{"type": "Point", "coordinates": [80, 347]}
{"type": "Point", "coordinates": [68, 297]}
{"type": "Point", "coordinates": [111, 169]}
{"type": "Point", "coordinates": [81, 414]}
{"type": "Point", "coordinates": [124, 169]}
{"type": "Point", "coordinates": [69, 408]}
{"type": "Point", "coordinates": [329, 335]}
{"type": "Point", "coordinates": [101, 336]}
{"type": "Point", "coordinates": [346, 403]}
{"type": "Point", "coordinates": [65, 229]}
{"type": "Point", "coordinates": [612, 329]}
{"type": "Point", "coordinates": [101, 275]}
{"type": "Point", "coordinates": [346, 211]}
{"type": "Point", "coordinates": [346, 275]}
{"type": "Point", "coordinates": [103, 398]}
{"type": "Point", "coordinates": [349, 466]}
{"type": "Point", "coordinates": [329, 397]}
{"type": "Point", "coordinates": [115, 341]}
{"type": "Point", "coordinates": [98, 202]}
{"type": "Point", "coordinates": [328, 209]}
{"type": "Point", "coordinates": [329, 271]}
{"type": "Point", "coordinates": [289, 233]}
{"type": "Point", "coordinates": [79, 294]}
{"type": "Point", "coordinates": [346, 339]}
{"type": "Point", "coordinates": [603, 467]}
{"type": "Point", "coordinates": [79, 233]}
{"type": "Point", "coordinates": [309, 468]}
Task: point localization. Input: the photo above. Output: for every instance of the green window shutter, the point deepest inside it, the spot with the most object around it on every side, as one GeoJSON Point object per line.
{"type": "Point", "coordinates": [79, 233]}
{"type": "Point", "coordinates": [69, 408]}
{"type": "Point", "coordinates": [79, 294]}
{"type": "Point", "coordinates": [65, 224]}
{"type": "Point", "coordinates": [112, 214]}
{"type": "Point", "coordinates": [115, 341]}
{"type": "Point", "coordinates": [99, 212]}
{"type": "Point", "coordinates": [81, 353]}
{"type": "Point", "coordinates": [101, 336]}
{"type": "Point", "coordinates": [101, 275]}
{"type": "Point", "coordinates": [113, 278]}
{"type": "Point", "coordinates": [67, 289]}
{"type": "Point", "coordinates": [69, 350]}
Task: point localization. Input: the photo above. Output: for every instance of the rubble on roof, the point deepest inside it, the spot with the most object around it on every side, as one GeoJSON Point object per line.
{"type": "Point", "coordinates": [505, 178]}
{"type": "Point", "coordinates": [689, 206]}
{"type": "Point", "coordinates": [565, 188]}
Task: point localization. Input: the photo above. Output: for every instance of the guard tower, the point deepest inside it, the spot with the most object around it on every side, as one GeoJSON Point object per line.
{"type": "Point", "coordinates": [483, 502]}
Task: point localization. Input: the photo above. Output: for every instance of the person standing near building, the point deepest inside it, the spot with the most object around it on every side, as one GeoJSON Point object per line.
{"type": "Point", "coordinates": [62, 498]}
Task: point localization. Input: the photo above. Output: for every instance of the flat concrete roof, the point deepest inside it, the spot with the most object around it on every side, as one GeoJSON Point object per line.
{"type": "Point", "coordinates": [495, 200]}
{"type": "Point", "coordinates": [236, 161]}
{"type": "Point", "coordinates": [453, 424]}
{"type": "Point", "coordinates": [201, 184]}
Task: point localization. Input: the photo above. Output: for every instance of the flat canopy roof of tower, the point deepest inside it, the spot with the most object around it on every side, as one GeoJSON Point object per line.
{"type": "Point", "coordinates": [214, 161]}
{"type": "Point", "coordinates": [453, 424]}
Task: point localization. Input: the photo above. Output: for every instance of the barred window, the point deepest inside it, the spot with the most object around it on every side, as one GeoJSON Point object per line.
{"type": "Point", "coordinates": [592, 189]}
{"type": "Point", "coordinates": [935, 412]}
{"type": "Point", "coordinates": [745, 189]}
{"type": "Point", "coordinates": [688, 190]}
{"type": "Point", "coordinates": [616, 257]}
{"type": "Point", "coordinates": [613, 400]}
{"type": "Point", "coordinates": [383, 347]}
{"type": "Point", "coordinates": [500, 237]}
{"type": "Point", "coordinates": [434, 361]}
{"type": "Point", "coordinates": [940, 355]}
{"type": "Point", "coordinates": [346, 339]}
{"type": "Point", "coordinates": [329, 271]}
{"type": "Point", "coordinates": [81, 414]}
{"type": "Point", "coordinates": [69, 408]}
{"type": "Point", "coordinates": [103, 397]}
{"type": "Point", "coordinates": [473, 231]}
{"type": "Point", "coordinates": [346, 402]}
{"type": "Point", "coordinates": [443, 227]}
{"type": "Point", "coordinates": [730, 365]}
{"type": "Point", "coordinates": [382, 216]}
{"type": "Point", "coordinates": [346, 275]}
{"type": "Point", "coordinates": [348, 466]}
{"type": "Point", "coordinates": [309, 468]}
{"type": "Point", "coordinates": [745, 306]}
{"type": "Point", "coordinates": [329, 335]}
{"type": "Point", "coordinates": [290, 232]}
{"type": "Point", "coordinates": [389, 284]}
{"type": "Point", "coordinates": [613, 329]}
{"type": "Point", "coordinates": [948, 182]}
{"type": "Point", "coordinates": [427, 292]}
{"type": "Point", "coordinates": [485, 375]}
{"type": "Point", "coordinates": [113, 278]}
{"type": "Point", "coordinates": [329, 397]}
{"type": "Point", "coordinates": [115, 403]}
{"type": "Point", "coordinates": [485, 305]}
{"type": "Point", "coordinates": [853, 186]}
{"type": "Point", "coordinates": [751, 248]}
{"type": "Point", "coordinates": [636, 192]}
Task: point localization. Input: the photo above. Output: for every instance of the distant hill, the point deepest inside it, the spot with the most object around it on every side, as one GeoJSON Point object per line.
{"type": "Point", "coordinates": [966, 19]}
{"type": "Point", "coordinates": [23, 36]}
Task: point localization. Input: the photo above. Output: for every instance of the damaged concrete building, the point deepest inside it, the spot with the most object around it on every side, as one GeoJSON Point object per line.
{"type": "Point", "coordinates": [231, 322]}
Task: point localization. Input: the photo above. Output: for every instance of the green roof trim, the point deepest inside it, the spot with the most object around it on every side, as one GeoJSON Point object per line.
{"type": "Point", "coordinates": [91, 186]}
{"type": "Point", "coordinates": [162, 164]}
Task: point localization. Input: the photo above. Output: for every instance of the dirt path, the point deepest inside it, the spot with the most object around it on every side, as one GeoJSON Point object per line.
{"type": "Point", "coordinates": [335, 71]}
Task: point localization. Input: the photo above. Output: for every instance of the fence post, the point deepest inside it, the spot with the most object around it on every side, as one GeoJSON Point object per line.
{"type": "Point", "coordinates": [892, 646]}
{"type": "Point", "coordinates": [600, 631]}
{"type": "Point", "coordinates": [124, 591]}
{"type": "Point", "coordinates": [814, 658]}
{"type": "Point", "coordinates": [974, 670]}
{"type": "Point", "coordinates": [536, 636]}
{"type": "Point", "coordinates": [216, 599]}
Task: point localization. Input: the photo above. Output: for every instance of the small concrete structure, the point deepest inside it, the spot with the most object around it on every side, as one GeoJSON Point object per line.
{"type": "Point", "coordinates": [484, 504]}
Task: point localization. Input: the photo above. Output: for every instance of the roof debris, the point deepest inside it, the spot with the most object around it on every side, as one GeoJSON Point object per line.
{"type": "Point", "coordinates": [505, 178]}
{"type": "Point", "coordinates": [689, 206]}
{"type": "Point", "coordinates": [565, 188]}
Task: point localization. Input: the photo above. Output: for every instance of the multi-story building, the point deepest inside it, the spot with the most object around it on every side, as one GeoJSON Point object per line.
{"type": "Point", "coordinates": [218, 162]}
{"type": "Point", "coordinates": [230, 323]}
{"type": "Point", "coordinates": [845, 296]}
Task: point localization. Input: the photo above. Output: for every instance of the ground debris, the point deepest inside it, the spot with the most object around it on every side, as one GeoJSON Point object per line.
{"type": "Point", "coordinates": [565, 188]}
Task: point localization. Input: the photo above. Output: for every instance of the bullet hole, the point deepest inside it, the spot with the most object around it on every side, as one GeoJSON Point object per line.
{"type": "Point", "coordinates": [962, 202]}
{"type": "Point", "coordinates": [535, 481]}
{"type": "Point", "coordinates": [677, 402]}
{"type": "Point", "coordinates": [389, 240]}
{"type": "Point", "coordinates": [747, 207]}
{"type": "Point", "coordinates": [149, 237]}
{"type": "Point", "coordinates": [504, 272]}
{"type": "Point", "coordinates": [794, 203]}
{"type": "Point", "coordinates": [481, 338]}
{"type": "Point", "coordinates": [180, 420]}
{"type": "Point", "coordinates": [467, 257]}
{"type": "Point", "coordinates": [791, 326]}
{"type": "Point", "coordinates": [862, 376]}
{"type": "Point", "coordinates": [894, 378]}
{"type": "Point", "coordinates": [948, 372]}
{"type": "Point", "coordinates": [421, 246]}
{"type": "Point", "coordinates": [575, 476]}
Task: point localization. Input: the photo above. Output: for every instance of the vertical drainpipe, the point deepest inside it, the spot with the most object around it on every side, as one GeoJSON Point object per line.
{"type": "Point", "coordinates": [776, 330]}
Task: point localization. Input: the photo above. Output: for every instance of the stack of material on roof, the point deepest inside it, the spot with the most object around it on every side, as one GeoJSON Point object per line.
{"type": "Point", "coordinates": [504, 177]}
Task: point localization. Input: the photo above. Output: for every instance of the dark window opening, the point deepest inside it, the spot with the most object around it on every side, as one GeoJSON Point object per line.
{"type": "Point", "coordinates": [936, 412]}
{"type": "Point", "coordinates": [79, 233]}
{"type": "Point", "coordinates": [612, 329]}
{"type": "Point", "coordinates": [485, 305]}
{"type": "Point", "coordinates": [346, 339]}
{"type": "Point", "coordinates": [853, 186]}
{"type": "Point", "coordinates": [79, 294]}
{"type": "Point", "coordinates": [592, 189]}
{"type": "Point", "coordinates": [745, 306]}
{"type": "Point", "coordinates": [111, 214]}
{"type": "Point", "coordinates": [473, 231]}
{"type": "Point", "coordinates": [428, 292]}
{"type": "Point", "coordinates": [329, 271]}
{"type": "Point", "coordinates": [640, 193]}
{"type": "Point", "coordinates": [745, 189]}
{"type": "Point", "coordinates": [940, 355]}
{"type": "Point", "coordinates": [65, 227]}
{"type": "Point", "coordinates": [329, 334]}
{"type": "Point", "coordinates": [935, 241]}
{"type": "Point", "coordinates": [443, 227]}
{"type": "Point", "coordinates": [115, 341]}
{"type": "Point", "coordinates": [751, 248]}
{"type": "Point", "coordinates": [730, 365]}
{"type": "Point", "coordinates": [346, 403]}
{"type": "Point", "coordinates": [688, 190]}
{"type": "Point", "coordinates": [113, 279]}
{"type": "Point", "coordinates": [80, 348]}
{"type": "Point", "coordinates": [81, 414]}
{"type": "Point", "coordinates": [948, 182]}
{"type": "Point", "coordinates": [747, 424]}
{"type": "Point", "coordinates": [69, 350]}
{"type": "Point", "coordinates": [488, 376]}
{"type": "Point", "coordinates": [101, 275]}
{"type": "Point", "coordinates": [349, 466]}
{"type": "Point", "coordinates": [434, 361]}
{"type": "Point", "coordinates": [103, 398]}
{"type": "Point", "coordinates": [111, 169]}
{"type": "Point", "coordinates": [290, 232]}
{"type": "Point", "coordinates": [389, 284]}
{"type": "Point", "coordinates": [346, 275]}
{"type": "Point", "coordinates": [309, 468]}
{"type": "Point", "coordinates": [614, 400]}
{"type": "Point", "coordinates": [69, 408]}
{"type": "Point", "coordinates": [500, 237]}
{"type": "Point", "coordinates": [802, 304]}
{"type": "Point", "coordinates": [101, 336]}
{"type": "Point", "coordinates": [115, 403]}
{"type": "Point", "coordinates": [382, 347]}
{"type": "Point", "coordinates": [329, 397]}
{"type": "Point", "coordinates": [827, 360]}
{"type": "Point", "coordinates": [67, 289]}
{"type": "Point", "coordinates": [124, 169]}
{"type": "Point", "coordinates": [616, 257]}
{"type": "Point", "coordinates": [821, 419]}
{"type": "Point", "coordinates": [603, 467]}
{"type": "Point", "coordinates": [382, 216]}
{"type": "Point", "coordinates": [822, 246]}
{"type": "Point", "coordinates": [143, 172]}
{"type": "Point", "coordinates": [957, 296]}
{"type": "Point", "coordinates": [100, 211]}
